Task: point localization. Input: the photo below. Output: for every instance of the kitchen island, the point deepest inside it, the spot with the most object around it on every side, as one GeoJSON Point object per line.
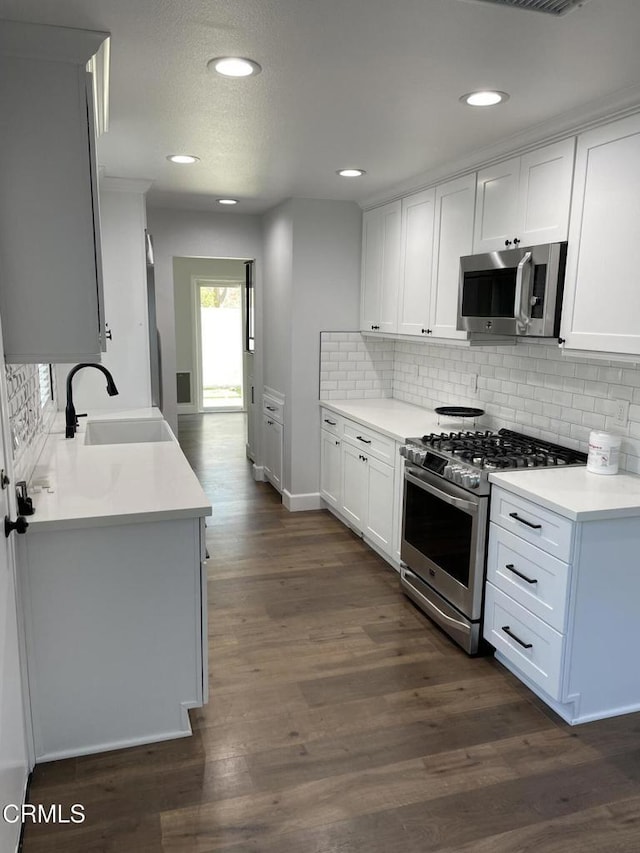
{"type": "Point", "coordinates": [113, 586]}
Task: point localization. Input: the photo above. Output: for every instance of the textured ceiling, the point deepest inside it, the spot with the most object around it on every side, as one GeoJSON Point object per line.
{"type": "Point", "coordinates": [369, 83]}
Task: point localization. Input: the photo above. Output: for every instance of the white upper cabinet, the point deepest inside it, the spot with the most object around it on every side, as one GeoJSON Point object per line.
{"type": "Point", "coordinates": [50, 263]}
{"type": "Point", "coordinates": [602, 299]}
{"type": "Point", "coordinates": [453, 238]}
{"type": "Point", "coordinates": [414, 295]}
{"type": "Point", "coordinates": [525, 200]}
{"type": "Point", "coordinates": [380, 268]}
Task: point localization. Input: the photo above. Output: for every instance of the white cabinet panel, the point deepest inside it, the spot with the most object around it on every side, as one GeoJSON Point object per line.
{"type": "Point", "coordinates": [50, 264]}
{"type": "Point", "coordinates": [380, 268]}
{"type": "Point", "coordinates": [545, 193]}
{"type": "Point", "coordinates": [536, 524]}
{"type": "Point", "coordinates": [330, 468]}
{"type": "Point", "coordinates": [496, 205]}
{"type": "Point", "coordinates": [602, 299]}
{"type": "Point", "coordinates": [528, 642]}
{"type": "Point", "coordinates": [453, 238]}
{"type": "Point", "coordinates": [354, 485]}
{"type": "Point", "coordinates": [417, 260]}
{"type": "Point", "coordinates": [273, 451]}
{"type": "Point", "coordinates": [525, 200]}
{"type": "Point", "coordinates": [379, 526]}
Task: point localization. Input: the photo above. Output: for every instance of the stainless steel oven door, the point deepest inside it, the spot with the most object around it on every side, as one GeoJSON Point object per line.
{"type": "Point", "coordinates": [444, 530]}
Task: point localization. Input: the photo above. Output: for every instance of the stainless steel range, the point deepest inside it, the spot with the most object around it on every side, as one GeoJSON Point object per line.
{"type": "Point", "coordinates": [446, 515]}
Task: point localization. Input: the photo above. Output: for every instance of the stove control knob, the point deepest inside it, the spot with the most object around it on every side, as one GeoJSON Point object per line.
{"type": "Point", "coordinates": [448, 472]}
{"type": "Point", "coordinates": [465, 479]}
{"type": "Point", "coordinates": [457, 474]}
{"type": "Point", "coordinates": [474, 481]}
{"type": "Point", "coordinates": [404, 451]}
{"type": "Point", "coordinates": [419, 456]}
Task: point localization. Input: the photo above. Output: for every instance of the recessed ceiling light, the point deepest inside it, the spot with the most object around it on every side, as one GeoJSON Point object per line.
{"type": "Point", "coordinates": [184, 159]}
{"type": "Point", "coordinates": [485, 98]}
{"type": "Point", "coordinates": [350, 173]}
{"type": "Point", "coordinates": [234, 66]}
{"type": "Point", "coordinates": [227, 201]}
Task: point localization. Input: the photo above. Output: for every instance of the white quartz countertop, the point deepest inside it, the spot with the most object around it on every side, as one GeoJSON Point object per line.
{"type": "Point", "coordinates": [395, 418]}
{"type": "Point", "coordinates": [576, 493]}
{"type": "Point", "coordinates": [76, 485]}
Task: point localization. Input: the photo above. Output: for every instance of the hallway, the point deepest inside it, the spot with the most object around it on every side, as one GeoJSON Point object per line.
{"type": "Point", "coordinates": [340, 720]}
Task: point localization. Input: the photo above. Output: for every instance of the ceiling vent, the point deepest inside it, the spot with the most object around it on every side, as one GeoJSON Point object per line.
{"type": "Point", "coordinates": [551, 7]}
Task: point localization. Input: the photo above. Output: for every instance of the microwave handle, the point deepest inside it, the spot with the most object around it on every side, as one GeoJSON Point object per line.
{"type": "Point", "coordinates": [523, 294]}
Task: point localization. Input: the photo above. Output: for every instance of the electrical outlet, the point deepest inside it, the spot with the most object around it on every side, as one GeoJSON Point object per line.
{"type": "Point", "coordinates": [621, 416]}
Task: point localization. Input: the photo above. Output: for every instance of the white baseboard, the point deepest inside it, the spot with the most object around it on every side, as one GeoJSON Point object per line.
{"type": "Point", "coordinates": [258, 473]}
{"type": "Point", "coordinates": [302, 503]}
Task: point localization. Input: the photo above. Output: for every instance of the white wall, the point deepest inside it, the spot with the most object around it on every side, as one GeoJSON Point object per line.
{"type": "Point", "coordinates": [123, 219]}
{"type": "Point", "coordinates": [311, 283]}
{"type": "Point", "coordinates": [184, 233]}
{"type": "Point", "coordinates": [326, 295]}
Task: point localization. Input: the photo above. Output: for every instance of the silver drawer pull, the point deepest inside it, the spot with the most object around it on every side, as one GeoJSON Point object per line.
{"type": "Point", "coordinates": [513, 569]}
{"type": "Point", "coordinates": [332, 423]}
{"type": "Point", "coordinates": [363, 440]}
{"type": "Point", "coordinates": [524, 645]}
{"type": "Point", "coordinates": [524, 521]}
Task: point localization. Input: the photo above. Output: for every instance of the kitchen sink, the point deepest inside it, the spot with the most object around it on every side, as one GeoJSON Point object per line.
{"type": "Point", "coordinates": [127, 431]}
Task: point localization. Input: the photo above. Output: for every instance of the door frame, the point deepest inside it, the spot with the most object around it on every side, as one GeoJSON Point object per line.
{"type": "Point", "coordinates": [197, 282]}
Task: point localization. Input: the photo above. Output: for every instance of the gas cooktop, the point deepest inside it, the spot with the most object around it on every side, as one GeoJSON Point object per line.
{"type": "Point", "coordinates": [468, 457]}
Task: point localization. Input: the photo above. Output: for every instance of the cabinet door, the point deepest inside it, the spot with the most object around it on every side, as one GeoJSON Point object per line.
{"type": "Point", "coordinates": [50, 262]}
{"type": "Point", "coordinates": [453, 238]}
{"type": "Point", "coordinates": [354, 485]}
{"type": "Point", "coordinates": [380, 500]}
{"type": "Point", "coordinates": [330, 468]}
{"type": "Point", "coordinates": [496, 206]}
{"type": "Point", "coordinates": [276, 438]}
{"type": "Point", "coordinates": [414, 297]}
{"type": "Point", "coordinates": [602, 299]}
{"type": "Point", "coordinates": [380, 268]}
{"type": "Point", "coordinates": [545, 194]}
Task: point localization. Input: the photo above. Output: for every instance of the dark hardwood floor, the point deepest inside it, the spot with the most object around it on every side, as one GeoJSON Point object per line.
{"type": "Point", "coordinates": [340, 720]}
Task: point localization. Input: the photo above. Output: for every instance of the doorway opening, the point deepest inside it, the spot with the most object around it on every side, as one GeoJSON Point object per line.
{"type": "Point", "coordinates": [219, 326]}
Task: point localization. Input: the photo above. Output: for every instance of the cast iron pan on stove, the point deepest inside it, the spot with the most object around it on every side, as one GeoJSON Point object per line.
{"type": "Point", "coordinates": [458, 411]}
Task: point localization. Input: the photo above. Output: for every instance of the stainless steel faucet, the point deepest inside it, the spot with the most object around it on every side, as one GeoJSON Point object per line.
{"type": "Point", "coordinates": [70, 412]}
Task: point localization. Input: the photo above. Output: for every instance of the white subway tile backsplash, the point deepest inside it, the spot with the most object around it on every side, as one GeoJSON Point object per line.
{"type": "Point", "coordinates": [532, 386]}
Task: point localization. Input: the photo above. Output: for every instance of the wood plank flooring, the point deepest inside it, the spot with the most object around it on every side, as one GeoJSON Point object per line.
{"type": "Point", "coordinates": [340, 719]}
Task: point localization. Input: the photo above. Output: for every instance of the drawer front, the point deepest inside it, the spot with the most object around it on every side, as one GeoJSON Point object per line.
{"type": "Point", "coordinates": [273, 408]}
{"type": "Point", "coordinates": [541, 527]}
{"type": "Point", "coordinates": [380, 446]}
{"type": "Point", "coordinates": [526, 641]}
{"type": "Point", "coordinates": [330, 421]}
{"type": "Point", "coordinates": [532, 577]}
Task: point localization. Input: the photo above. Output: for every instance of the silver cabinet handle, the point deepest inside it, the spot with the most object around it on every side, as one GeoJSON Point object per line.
{"type": "Point", "coordinates": [523, 295]}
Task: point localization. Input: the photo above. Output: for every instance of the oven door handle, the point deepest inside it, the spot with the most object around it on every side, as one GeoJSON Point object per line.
{"type": "Point", "coordinates": [430, 605]}
{"type": "Point", "coordinates": [467, 506]}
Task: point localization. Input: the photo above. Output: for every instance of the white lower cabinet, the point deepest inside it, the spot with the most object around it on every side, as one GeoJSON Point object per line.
{"type": "Point", "coordinates": [331, 468]}
{"type": "Point", "coordinates": [273, 436]}
{"type": "Point", "coordinates": [116, 633]}
{"type": "Point", "coordinates": [561, 606]}
{"type": "Point", "coordinates": [358, 481]}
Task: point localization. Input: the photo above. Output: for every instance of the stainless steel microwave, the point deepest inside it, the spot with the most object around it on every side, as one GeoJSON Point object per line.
{"type": "Point", "coordinates": [513, 292]}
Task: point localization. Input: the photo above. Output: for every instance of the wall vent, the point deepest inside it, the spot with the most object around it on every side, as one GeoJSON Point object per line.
{"type": "Point", "coordinates": [183, 387]}
{"type": "Point", "coordinates": [551, 7]}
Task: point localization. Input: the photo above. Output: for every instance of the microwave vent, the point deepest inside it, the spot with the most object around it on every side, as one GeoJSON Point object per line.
{"type": "Point", "coordinates": [551, 7]}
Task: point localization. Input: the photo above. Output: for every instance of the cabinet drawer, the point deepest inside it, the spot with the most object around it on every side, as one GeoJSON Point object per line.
{"type": "Point", "coordinates": [526, 641]}
{"type": "Point", "coordinates": [540, 526]}
{"type": "Point", "coordinates": [532, 577]}
{"type": "Point", "coordinates": [330, 421]}
{"type": "Point", "coordinates": [368, 441]}
{"type": "Point", "coordinates": [273, 408]}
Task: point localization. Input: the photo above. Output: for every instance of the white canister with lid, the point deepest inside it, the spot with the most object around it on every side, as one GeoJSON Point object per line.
{"type": "Point", "coordinates": [604, 452]}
